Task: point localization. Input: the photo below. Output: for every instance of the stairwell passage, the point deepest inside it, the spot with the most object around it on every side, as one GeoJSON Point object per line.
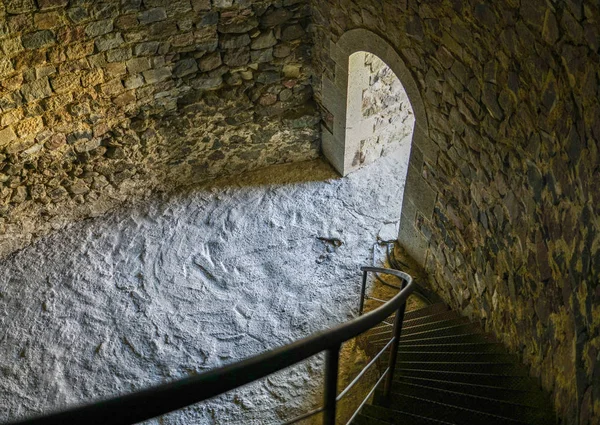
{"type": "Point", "coordinates": [449, 372]}
{"type": "Point", "coordinates": [438, 368]}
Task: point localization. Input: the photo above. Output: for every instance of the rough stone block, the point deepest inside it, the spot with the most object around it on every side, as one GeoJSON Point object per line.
{"type": "Point", "coordinates": [38, 89]}
{"type": "Point", "coordinates": [98, 28]}
{"type": "Point", "coordinates": [6, 136]}
{"type": "Point", "coordinates": [119, 55]}
{"type": "Point", "coordinates": [293, 32]}
{"type": "Point", "coordinates": [47, 20]}
{"type": "Point", "coordinates": [6, 67]}
{"type": "Point", "coordinates": [222, 3]}
{"type": "Point", "coordinates": [29, 126]}
{"type": "Point", "coordinates": [19, 6]}
{"type": "Point", "coordinates": [109, 42]}
{"type": "Point", "coordinates": [115, 69]}
{"type": "Point", "coordinates": [38, 40]}
{"type": "Point", "coordinates": [112, 88]}
{"type": "Point", "coordinates": [56, 141]}
{"type": "Point", "coordinates": [281, 51]}
{"type": "Point", "coordinates": [209, 19]}
{"type": "Point", "coordinates": [233, 41]}
{"type": "Point", "coordinates": [276, 17]}
{"type": "Point", "coordinates": [137, 65]}
{"type": "Point", "coordinates": [80, 50]}
{"type": "Point", "coordinates": [238, 57]}
{"type": "Point", "coordinates": [92, 78]}
{"type": "Point", "coordinates": [51, 4]}
{"type": "Point", "coordinates": [292, 71]}
{"type": "Point", "coordinates": [152, 15]}
{"type": "Point", "coordinates": [207, 83]}
{"type": "Point", "coordinates": [238, 27]}
{"type": "Point", "coordinates": [126, 22]}
{"type": "Point", "coordinates": [261, 56]}
{"type": "Point", "coordinates": [210, 62]}
{"type": "Point", "coordinates": [57, 102]}
{"type": "Point", "coordinates": [185, 67]}
{"type": "Point", "coordinates": [66, 83]}
{"type": "Point", "coordinates": [154, 76]}
{"type": "Point", "coordinates": [125, 99]}
{"type": "Point", "coordinates": [200, 5]}
{"type": "Point", "coordinates": [264, 41]}
{"type": "Point", "coordinates": [78, 14]}
{"type": "Point", "coordinates": [134, 82]}
{"type": "Point", "coordinates": [11, 46]}
{"type": "Point", "coordinates": [147, 48]}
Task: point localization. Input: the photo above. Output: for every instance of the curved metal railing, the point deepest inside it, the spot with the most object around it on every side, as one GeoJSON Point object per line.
{"type": "Point", "coordinates": [163, 399]}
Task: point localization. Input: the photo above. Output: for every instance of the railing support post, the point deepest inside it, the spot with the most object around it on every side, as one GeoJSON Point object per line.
{"type": "Point", "coordinates": [332, 361]}
{"type": "Point", "coordinates": [362, 293]}
{"type": "Point", "coordinates": [387, 389]}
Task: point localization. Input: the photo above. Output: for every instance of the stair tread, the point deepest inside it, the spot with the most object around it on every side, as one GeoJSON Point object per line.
{"type": "Point", "coordinates": [396, 417]}
{"type": "Point", "coordinates": [474, 388]}
{"type": "Point", "coordinates": [407, 330]}
{"type": "Point", "coordinates": [432, 317]}
{"type": "Point", "coordinates": [457, 347]}
{"type": "Point", "coordinates": [461, 391]}
{"type": "Point", "coordinates": [488, 380]}
{"type": "Point", "coordinates": [401, 393]}
{"type": "Point", "coordinates": [450, 372]}
{"type": "Point", "coordinates": [456, 357]}
{"type": "Point", "coordinates": [425, 311]}
{"type": "Point", "coordinates": [424, 339]}
{"type": "Point", "coordinates": [504, 369]}
{"type": "Point", "coordinates": [448, 412]}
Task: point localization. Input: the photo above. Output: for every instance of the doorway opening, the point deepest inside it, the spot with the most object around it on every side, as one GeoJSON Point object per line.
{"type": "Point", "coordinates": [379, 118]}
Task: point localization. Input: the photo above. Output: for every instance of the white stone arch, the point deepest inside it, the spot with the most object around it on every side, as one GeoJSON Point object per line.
{"type": "Point", "coordinates": [419, 197]}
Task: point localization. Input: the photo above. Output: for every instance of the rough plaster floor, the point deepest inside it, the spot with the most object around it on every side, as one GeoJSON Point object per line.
{"type": "Point", "coordinates": [181, 284]}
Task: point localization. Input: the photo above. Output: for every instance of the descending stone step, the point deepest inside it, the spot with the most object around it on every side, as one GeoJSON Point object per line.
{"type": "Point", "coordinates": [445, 412]}
{"type": "Point", "coordinates": [472, 337]}
{"type": "Point", "coordinates": [449, 371]}
{"type": "Point", "coordinates": [497, 407]}
{"type": "Point", "coordinates": [386, 332]}
{"type": "Point", "coordinates": [436, 317]}
{"type": "Point", "coordinates": [425, 311]}
{"type": "Point", "coordinates": [455, 356]}
{"type": "Point", "coordinates": [524, 397]}
{"type": "Point", "coordinates": [503, 369]}
{"type": "Point", "coordinates": [376, 415]}
{"type": "Point", "coordinates": [491, 380]}
{"type": "Point", "coordinates": [457, 347]}
{"type": "Point", "coordinates": [446, 329]}
{"type": "Point", "coordinates": [432, 411]}
{"type": "Point", "coordinates": [366, 420]}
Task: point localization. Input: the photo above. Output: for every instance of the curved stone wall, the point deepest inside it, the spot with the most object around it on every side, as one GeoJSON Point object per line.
{"type": "Point", "coordinates": [510, 161]}
{"type": "Point", "coordinates": [106, 101]}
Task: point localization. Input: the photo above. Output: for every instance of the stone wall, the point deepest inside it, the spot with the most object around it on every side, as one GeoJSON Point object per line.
{"type": "Point", "coordinates": [106, 101]}
{"type": "Point", "coordinates": [511, 93]}
{"type": "Point", "coordinates": [380, 117]}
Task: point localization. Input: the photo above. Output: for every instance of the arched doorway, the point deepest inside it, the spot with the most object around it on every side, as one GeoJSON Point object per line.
{"type": "Point", "coordinates": [342, 145]}
{"type": "Point", "coordinates": [379, 118]}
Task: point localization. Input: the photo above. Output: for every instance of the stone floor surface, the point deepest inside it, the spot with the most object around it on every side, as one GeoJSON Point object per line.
{"type": "Point", "coordinates": [184, 283]}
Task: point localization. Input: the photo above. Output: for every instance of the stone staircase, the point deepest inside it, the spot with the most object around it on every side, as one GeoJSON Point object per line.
{"type": "Point", "coordinates": [450, 372]}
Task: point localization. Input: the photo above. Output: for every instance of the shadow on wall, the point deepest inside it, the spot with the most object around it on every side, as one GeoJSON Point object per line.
{"type": "Point", "coordinates": [106, 102]}
{"type": "Point", "coordinates": [181, 284]}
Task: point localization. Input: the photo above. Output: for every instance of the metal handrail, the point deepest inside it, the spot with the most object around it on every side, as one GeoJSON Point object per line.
{"type": "Point", "coordinates": [150, 403]}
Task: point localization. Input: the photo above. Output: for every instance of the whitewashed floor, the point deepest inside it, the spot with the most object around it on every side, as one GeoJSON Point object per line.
{"type": "Point", "coordinates": [179, 285]}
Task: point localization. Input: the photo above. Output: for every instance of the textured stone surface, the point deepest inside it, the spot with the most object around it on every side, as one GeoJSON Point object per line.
{"type": "Point", "coordinates": [179, 285]}
{"type": "Point", "coordinates": [379, 115]}
{"type": "Point", "coordinates": [134, 88]}
{"type": "Point", "coordinates": [515, 119]}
